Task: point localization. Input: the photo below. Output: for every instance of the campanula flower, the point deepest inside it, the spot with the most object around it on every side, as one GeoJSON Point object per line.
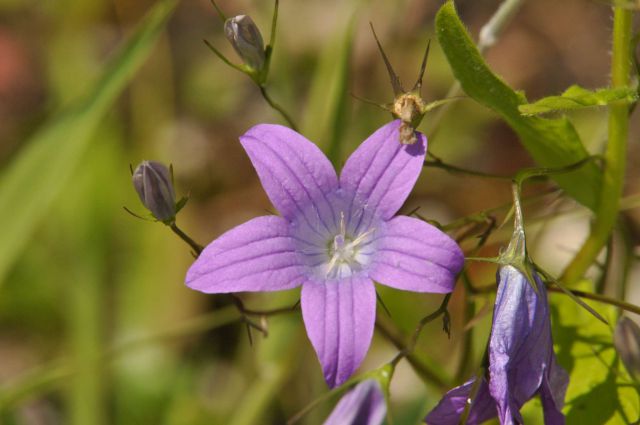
{"type": "Point", "coordinates": [334, 237]}
{"type": "Point", "coordinates": [363, 405]}
{"type": "Point", "coordinates": [521, 360]}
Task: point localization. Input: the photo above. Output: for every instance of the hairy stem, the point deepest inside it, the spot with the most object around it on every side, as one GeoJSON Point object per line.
{"type": "Point", "coordinates": [615, 155]}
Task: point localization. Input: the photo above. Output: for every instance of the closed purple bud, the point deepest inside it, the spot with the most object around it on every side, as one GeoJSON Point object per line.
{"type": "Point", "coordinates": [627, 341]}
{"type": "Point", "coordinates": [363, 405]}
{"type": "Point", "coordinates": [152, 181]}
{"type": "Point", "coordinates": [245, 37]}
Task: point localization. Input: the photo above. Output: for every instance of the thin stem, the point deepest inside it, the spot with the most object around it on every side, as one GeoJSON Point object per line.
{"type": "Point", "coordinates": [223, 18]}
{"type": "Point", "coordinates": [438, 163]}
{"type": "Point", "coordinates": [393, 335]}
{"type": "Point", "coordinates": [197, 248]}
{"type": "Point", "coordinates": [600, 298]}
{"type": "Point", "coordinates": [224, 58]}
{"type": "Point", "coordinates": [582, 294]}
{"type": "Point", "coordinates": [278, 108]}
{"type": "Point", "coordinates": [615, 155]}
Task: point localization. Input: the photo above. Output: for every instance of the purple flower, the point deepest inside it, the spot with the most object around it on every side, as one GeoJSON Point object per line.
{"type": "Point", "coordinates": [521, 360]}
{"type": "Point", "coordinates": [363, 405]}
{"type": "Point", "coordinates": [334, 238]}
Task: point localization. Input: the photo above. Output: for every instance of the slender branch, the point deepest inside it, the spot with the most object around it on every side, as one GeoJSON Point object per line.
{"type": "Point", "coordinates": [197, 248]}
{"type": "Point", "coordinates": [615, 155]}
{"type": "Point", "coordinates": [278, 108]}
{"type": "Point", "coordinates": [582, 294]}
{"type": "Point", "coordinates": [393, 335]}
{"type": "Point", "coordinates": [600, 298]}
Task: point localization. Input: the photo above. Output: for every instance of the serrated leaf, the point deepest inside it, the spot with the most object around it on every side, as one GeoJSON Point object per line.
{"type": "Point", "coordinates": [551, 142]}
{"type": "Point", "coordinates": [600, 391]}
{"type": "Point", "coordinates": [576, 97]}
{"type": "Point", "coordinates": [31, 181]}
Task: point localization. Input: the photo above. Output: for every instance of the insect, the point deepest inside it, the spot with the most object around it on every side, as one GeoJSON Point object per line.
{"type": "Point", "coordinates": [408, 106]}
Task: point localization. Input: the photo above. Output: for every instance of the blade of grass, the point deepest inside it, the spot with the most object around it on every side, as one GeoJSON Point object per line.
{"type": "Point", "coordinates": [32, 181]}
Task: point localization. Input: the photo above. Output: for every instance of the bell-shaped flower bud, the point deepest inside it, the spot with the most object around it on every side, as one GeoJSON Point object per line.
{"type": "Point", "coordinates": [245, 37]}
{"type": "Point", "coordinates": [152, 181]}
{"type": "Point", "coordinates": [626, 339]}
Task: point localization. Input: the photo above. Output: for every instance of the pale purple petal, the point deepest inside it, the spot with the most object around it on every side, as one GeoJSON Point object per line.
{"type": "Point", "coordinates": [363, 405]}
{"type": "Point", "coordinates": [382, 171]}
{"type": "Point", "coordinates": [450, 408]}
{"type": "Point", "coordinates": [552, 392]}
{"type": "Point", "coordinates": [294, 172]}
{"type": "Point", "coordinates": [339, 316]}
{"type": "Point", "coordinates": [415, 256]}
{"type": "Point", "coordinates": [520, 343]}
{"type": "Point", "coordinates": [258, 255]}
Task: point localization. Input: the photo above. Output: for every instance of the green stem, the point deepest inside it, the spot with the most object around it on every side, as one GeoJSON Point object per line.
{"type": "Point", "coordinates": [197, 248]}
{"type": "Point", "coordinates": [615, 155]}
{"type": "Point", "coordinates": [278, 108]}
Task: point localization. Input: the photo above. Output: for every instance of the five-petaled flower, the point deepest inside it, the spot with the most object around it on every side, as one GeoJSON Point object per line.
{"type": "Point", "coordinates": [335, 237]}
{"type": "Point", "coordinates": [521, 360]}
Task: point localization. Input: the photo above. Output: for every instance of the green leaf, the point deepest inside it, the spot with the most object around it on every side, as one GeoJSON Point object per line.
{"type": "Point", "coordinates": [551, 142]}
{"type": "Point", "coordinates": [576, 97]}
{"type": "Point", "coordinates": [33, 179]}
{"type": "Point", "coordinates": [600, 391]}
{"type": "Point", "coordinates": [327, 110]}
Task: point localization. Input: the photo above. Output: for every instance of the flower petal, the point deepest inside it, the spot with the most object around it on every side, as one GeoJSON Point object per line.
{"type": "Point", "coordinates": [363, 405]}
{"type": "Point", "coordinates": [339, 316]}
{"type": "Point", "coordinates": [520, 343]}
{"type": "Point", "coordinates": [552, 392]}
{"type": "Point", "coordinates": [450, 408]}
{"type": "Point", "coordinates": [294, 172]}
{"type": "Point", "coordinates": [415, 256]}
{"type": "Point", "coordinates": [258, 255]}
{"type": "Point", "coordinates": [382, 171]}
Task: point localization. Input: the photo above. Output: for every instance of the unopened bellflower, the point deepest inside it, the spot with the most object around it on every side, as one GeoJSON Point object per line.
{"type": "Point", "coordinates": [363, 405]}
{"type": "Point", "coordinates": [521, 360]}
{"type": "Point", "coordinates": [334, 237]}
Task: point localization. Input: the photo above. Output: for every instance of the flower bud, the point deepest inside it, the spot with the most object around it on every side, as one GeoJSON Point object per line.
{"type": "Point", "coordinates": [245, 37]}
{"type": "Point", "coordinates": [626, 339]}
{"type": "Point", "coordinates": [152, 181]}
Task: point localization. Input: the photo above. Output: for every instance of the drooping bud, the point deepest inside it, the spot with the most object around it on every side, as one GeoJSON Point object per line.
{"type": "Point", "coordinates": [245, 37]}
{"type": "Point", "coordinates": [626, 339]}
{"type": "Point", "coordinates": [152, 181]}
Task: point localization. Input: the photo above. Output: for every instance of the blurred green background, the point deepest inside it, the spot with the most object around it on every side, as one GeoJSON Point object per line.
{"type": "Point", "coordinates": [96, 325]}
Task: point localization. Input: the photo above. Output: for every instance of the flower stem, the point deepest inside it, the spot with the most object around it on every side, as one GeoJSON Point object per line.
{"type": "Point", "coordinates": [615, 155]}
{"type": "Point", "coordinates": [278, 108]}
{"type": "Point", "coordinates": [197, 248]}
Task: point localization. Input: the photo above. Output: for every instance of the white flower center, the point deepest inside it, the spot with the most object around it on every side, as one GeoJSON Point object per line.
{"type": "Point", "coordinates": [345, 253]}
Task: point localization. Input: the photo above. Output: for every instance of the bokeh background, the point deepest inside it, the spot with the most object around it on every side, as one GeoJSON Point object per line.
{"type": "Point", "coordinates": [96, 325]}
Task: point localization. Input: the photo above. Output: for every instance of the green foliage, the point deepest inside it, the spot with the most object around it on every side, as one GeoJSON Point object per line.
{"type": "Point", "coordinates": [551, 142]}
{"type": "Point", "coordinates": [32, 181]}
{"type": "Point", "coordinates": [576, 97]}
{"type": "Point", "coordinates": [600, 391]}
